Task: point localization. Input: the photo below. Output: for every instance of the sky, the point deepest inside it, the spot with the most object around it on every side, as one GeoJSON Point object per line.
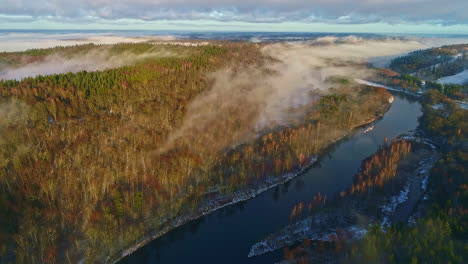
{"type": "Point", "coordinates": [374, 16]}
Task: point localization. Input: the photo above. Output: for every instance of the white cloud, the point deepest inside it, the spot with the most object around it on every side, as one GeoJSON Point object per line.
{"type": "Point", "coordinates": [336, 11]}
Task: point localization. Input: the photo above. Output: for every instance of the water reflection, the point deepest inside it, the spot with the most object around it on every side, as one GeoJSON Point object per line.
{"type": "Point", "coordinates": [226, 235]}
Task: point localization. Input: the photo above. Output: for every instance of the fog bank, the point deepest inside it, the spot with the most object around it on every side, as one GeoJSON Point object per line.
{"type": "Point", "coordinates": [97, 59]}
{"type": "Point", "coordinates": [12, 42]}
{"type": "Point", "coordinates": [259, 98]}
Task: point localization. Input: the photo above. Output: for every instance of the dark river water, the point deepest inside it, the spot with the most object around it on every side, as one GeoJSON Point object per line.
{"type": "Point", "coordinates": [226, 235]}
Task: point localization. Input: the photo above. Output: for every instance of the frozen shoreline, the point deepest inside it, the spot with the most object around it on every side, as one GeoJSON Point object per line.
{"type": "Point", "coordinates": [317, 227]}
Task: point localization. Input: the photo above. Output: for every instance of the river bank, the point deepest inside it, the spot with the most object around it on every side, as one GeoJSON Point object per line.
{"type": "Point", "coordinates": [462, 104]}
{"type": "Point", "coordinates": [348, 217]}
{"type": "Point", "coordinates": [373, 84]}
{"type": "Point", "coordinates": [223, 200]}
{"type": "Point", "coordinates": [227, 235]}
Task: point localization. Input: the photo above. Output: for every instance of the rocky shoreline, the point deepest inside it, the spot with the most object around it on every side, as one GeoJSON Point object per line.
{"type": "Point", "coordinates": [245, 194]}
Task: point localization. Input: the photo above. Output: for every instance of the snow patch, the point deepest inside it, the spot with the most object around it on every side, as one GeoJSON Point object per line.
{"type": "Point", "coordinates": [389, 209]}
{"type": "Point", "coordinates": [424, 183]}
{"type": "Point", "coordinates": [438, 106]}
{"type": "Point", "coordinates": [459, 78]}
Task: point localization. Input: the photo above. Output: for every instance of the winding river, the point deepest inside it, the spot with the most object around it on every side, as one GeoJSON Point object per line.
{"type": "Point", "coordinates": [226, 235]}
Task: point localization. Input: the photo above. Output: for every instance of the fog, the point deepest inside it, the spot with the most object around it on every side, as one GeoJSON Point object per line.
{"type": "Point", "coordinates": [262, 97]}
{"type": "Point", "coordinates": [13, 42]}
{"type": "Point", "coordinates": [97, 59]}
{"type": "Point", "coordinates": [243, 101]}
{"type": "Point", "coordinates": [384, 61]}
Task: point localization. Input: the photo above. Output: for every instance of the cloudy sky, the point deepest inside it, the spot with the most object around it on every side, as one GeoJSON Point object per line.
{"type": "Point", "coordinates": [417, 16]}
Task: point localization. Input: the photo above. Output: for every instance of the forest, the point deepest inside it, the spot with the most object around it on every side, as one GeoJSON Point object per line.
{"type": "Point", "coordinates": [420, 70]}
{"type": "Point", "coordinates": [434, 62]}
{"type": "Point", "coordinates": [85, 167]}
{"type": "Point", "coordinates": [439, 235]}
{"type": "Point", "coordinates": [415, 84]}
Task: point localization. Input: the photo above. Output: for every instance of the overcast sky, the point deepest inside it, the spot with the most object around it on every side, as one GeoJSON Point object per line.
{"type": "Point", "coordinates": [424, 16]}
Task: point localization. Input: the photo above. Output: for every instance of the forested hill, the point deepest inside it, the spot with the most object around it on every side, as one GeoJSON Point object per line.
{"type": "Point", "coordinates": [85, 169]}
{"type": "Point", "coordinates": [433, 63]}
{"type": "Point", "coordinates": [74, 163]}
{"type": "Point", "coordinates": [424, 70]}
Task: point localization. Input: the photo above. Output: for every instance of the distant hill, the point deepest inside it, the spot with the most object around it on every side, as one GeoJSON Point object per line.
{"type": "Point", "coordinates": [434, 63]}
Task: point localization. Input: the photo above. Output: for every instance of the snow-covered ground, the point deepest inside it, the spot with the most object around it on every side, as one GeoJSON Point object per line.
{"type": "Point", "coordinates": [324, 225]}
{"type": "Point", "coordinates": [438, 106]}
{"type": "Point", "coordinates": [389, 209]}
{"type": "Point", "coordinates": [459, 78]}
{"type": "Point", "coordinates": [373, 84]}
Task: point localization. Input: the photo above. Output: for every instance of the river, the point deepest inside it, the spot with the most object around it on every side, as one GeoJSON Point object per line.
{"type": "Point", "coordinates": [226, 235]}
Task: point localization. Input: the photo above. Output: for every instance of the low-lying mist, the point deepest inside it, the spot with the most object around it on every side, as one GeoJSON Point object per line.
{"type": "Point", "coordinates": [244, 101]}
{"type": "Point", "coordinates": [13, 42]}
{"type": "Point", "coordinates": [97, 59]}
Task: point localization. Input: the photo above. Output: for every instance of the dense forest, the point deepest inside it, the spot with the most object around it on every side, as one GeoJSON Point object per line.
{"type": "Point", "coordinates": [85, 169]}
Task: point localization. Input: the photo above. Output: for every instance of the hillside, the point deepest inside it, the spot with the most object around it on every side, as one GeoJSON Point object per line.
{"type": "Point", "coordinates": [92, 161]}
